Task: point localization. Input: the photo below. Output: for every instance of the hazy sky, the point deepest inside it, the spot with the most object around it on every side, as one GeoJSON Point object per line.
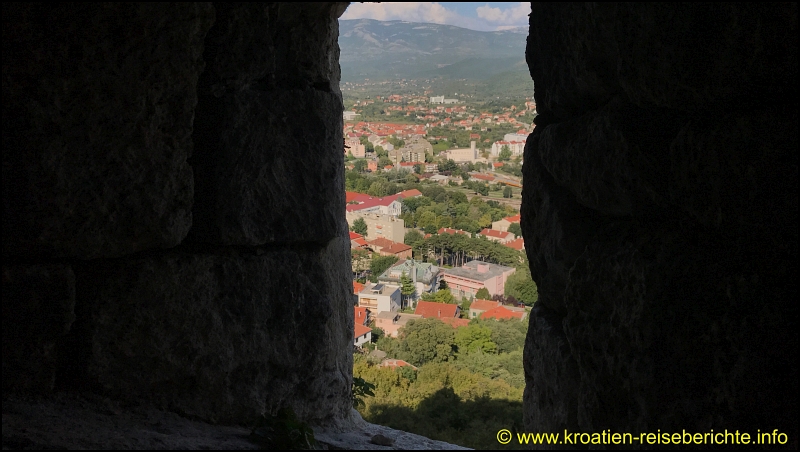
{"type": "Point", "coordinates": [475, 16]}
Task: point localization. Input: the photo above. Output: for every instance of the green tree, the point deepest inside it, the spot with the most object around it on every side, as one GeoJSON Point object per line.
{"type": "Point", "coordinates": [379, 189]}
{"type": "Point", "coordinates": [483, 294]}
{"type": "Point", "coordinates": [520, 286]}
{"type": "Point", "coordinates": [444, 296]}
{"type": "Point", "coordinates": [447, 165]}
{"type": "Point", "coordinates": [427, 341]}
{"type": "Point", "coordinates": [507, 192]}
{"type": "Point", "coordinates": [377, 333]}
{"type": "Point", "coordinates": [384, 161]}
{"type": "Point", "coordinates": [360, 259]}
{"type": "Point", "coordinates": [360, 165]}
{"type": "Point", "coordinates": [407, 287]}
{"type": "Point", "coordinates": [379, 265]}
{"type": "Point", "coordinates": [515, 229]}
{"type": "Point", "coordinates": [505, 154]}
{"type": "Point", "coordinates": [413, 237]}
{"type": "Point", "coordinates": [359, 227]}
{"type": "Point", "coordinates": [474, 337]}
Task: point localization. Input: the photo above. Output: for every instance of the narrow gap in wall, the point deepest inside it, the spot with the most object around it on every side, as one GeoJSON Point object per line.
{"type": "Point", "coordinates": [438, 103]}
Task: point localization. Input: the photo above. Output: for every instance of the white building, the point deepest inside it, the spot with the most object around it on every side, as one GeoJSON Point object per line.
{"type": "Point", "coordinates": [380, 298]}
{"type": "Point", "coordinates": [463, 155]}
{"type": "Point", "coordinates": [349, 115]}
{"type": "Point", "coordinates": [516, 147]}
{"type": "Point", "coordinates": [437, 99]}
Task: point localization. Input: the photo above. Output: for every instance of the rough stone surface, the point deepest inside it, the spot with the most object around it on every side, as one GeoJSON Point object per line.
{"type": "Point", "coordinates": [86, 421]}
{"type": "Point", "coordinates": [103, 106]}
{"type": "Point", "coordinates": [38, 311]}
{"type": "Point", "coordinates": [660, 218]}
{"type": "Point", "coordinates": [223, 337]}
{"type": "Point", "coordinates": [361, 435]}
{"type": "Point", "coordinates": [98, 104]}
{"type": "Point", "coordinates": [683, 58]}
{"type": "Point", "coordinates": [269, 127]}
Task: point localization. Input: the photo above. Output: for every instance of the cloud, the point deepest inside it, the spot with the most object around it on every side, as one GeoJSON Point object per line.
{"type": "Point", "coordinates": [431, 13]}
{"type": "Point", "coordinates": [514, 16]}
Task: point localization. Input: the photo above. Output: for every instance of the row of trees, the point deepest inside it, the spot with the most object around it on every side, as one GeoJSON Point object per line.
{"type": "Point", "coordinates": [440, 208]}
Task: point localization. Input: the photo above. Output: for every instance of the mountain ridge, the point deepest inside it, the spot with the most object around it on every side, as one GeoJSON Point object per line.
{"type": "Point", "coordinates": [372, 49]}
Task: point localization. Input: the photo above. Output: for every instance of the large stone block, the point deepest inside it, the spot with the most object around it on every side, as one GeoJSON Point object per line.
{"type": "Point", "coordinates": [268, 141]}
{"type": "Point", "coordinates": [98, 104]}
{"type": "Point", "coordinates": [224, 337]}
{"type": "Point", "coordinates": [688, 57]}
{"type": "Point", "coordinates": [556, 228]}
{"type": "Point", "coordinates": [38, 311]}
{"type": "Point", "coordinates": [613, 159]}
{"type": "Point", "coordinates": [551, 374]}
{"type": "Point", "coordinates": [270, 168]}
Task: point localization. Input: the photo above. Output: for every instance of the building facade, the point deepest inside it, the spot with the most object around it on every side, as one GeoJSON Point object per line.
{"type": "Point", "coordinates": [467, 280]}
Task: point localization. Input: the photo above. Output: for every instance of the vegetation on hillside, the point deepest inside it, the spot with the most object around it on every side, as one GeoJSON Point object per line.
{"type": "Point", "coordinates": [468, 384]}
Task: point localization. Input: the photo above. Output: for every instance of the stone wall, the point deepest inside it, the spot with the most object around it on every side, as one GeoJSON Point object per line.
{"type": "Point", "coordinates": [173, 200]}
{"type": "Point", "coordinates": [660, 218]}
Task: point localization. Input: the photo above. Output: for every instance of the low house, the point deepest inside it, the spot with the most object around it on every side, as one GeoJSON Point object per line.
{"type": "Point", "coordinates": [395, 363]}
{"type": "Point", "coordinates": [467, 280]}
{"type": "Point", "coordinates": [478, 307]}
{"type": "Point", "coordinates": [503, 224]}
{"type": "Point", "coordinates": [379, 297]}
{"type": "Point", "coordinates": [379, 244]}
{"type": "Point", "coordinates": [497, 236]}
{"type": "Point", "coordinates": [430, 309]}
{"type": "Point", "coordinates": [391, 322]}
{"type": "Point", "coordinates": [517, 244]}
{"type": "Point", "coordinates": [357, 240]}
{"type": "Point", "coordinates": [400, 250]}
{"type": "Point", "coordinates": [453, 231]}
{"type": "Point", "coordinates": [362, 315]}
{"type": "Point", "coordinates": [362, 333]}
{"type": "Point", "coordinates": [505, 313]}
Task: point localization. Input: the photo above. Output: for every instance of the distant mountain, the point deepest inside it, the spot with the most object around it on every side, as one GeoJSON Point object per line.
{"type": "Point", "coordinates": [398, 49]}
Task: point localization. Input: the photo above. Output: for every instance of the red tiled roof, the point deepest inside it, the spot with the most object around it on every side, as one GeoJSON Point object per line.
{"type": "Point", "coordinates": [517, 244]}
{"type": "Point", "coordinates": [360, 242]}
{"type": "Point", "coordinates": [455, 322]}
{"type": "Point", "coordinates": [513, 219]}
{"type": "Point", "coordinates": [361, 330]}
{"type": "Point", "coordinates": [495, 233]}
{"type": "Point", "coordinates": [351, 196]}
{"type": "Point", "coordinates": [381, 242]}
{"type": "Point", "coordinates": [361, 314]}
{"type": "Point", "coordinates": [355, 235]}
{"type": "Point", "coordinates": [501, 312]}
{"type": "Point", "coordinates": [395, 363]}
{"type": "Point", "coordinates": [396, 248]}
{"type": "Point", "coordinates": [357, 287]}
{"type": "Point", "coordinates": [451, 231]}
{"type": "Point", "coordinates": [484, 305]}
{"type": "Point", "coordinates": [429, 309]}
{"type": "Point", "coordinates": [409, 193]}
{"type": "Point", "coordinates": [482, 177]}
{"type": "Point", "coordinates": [370, 202]}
